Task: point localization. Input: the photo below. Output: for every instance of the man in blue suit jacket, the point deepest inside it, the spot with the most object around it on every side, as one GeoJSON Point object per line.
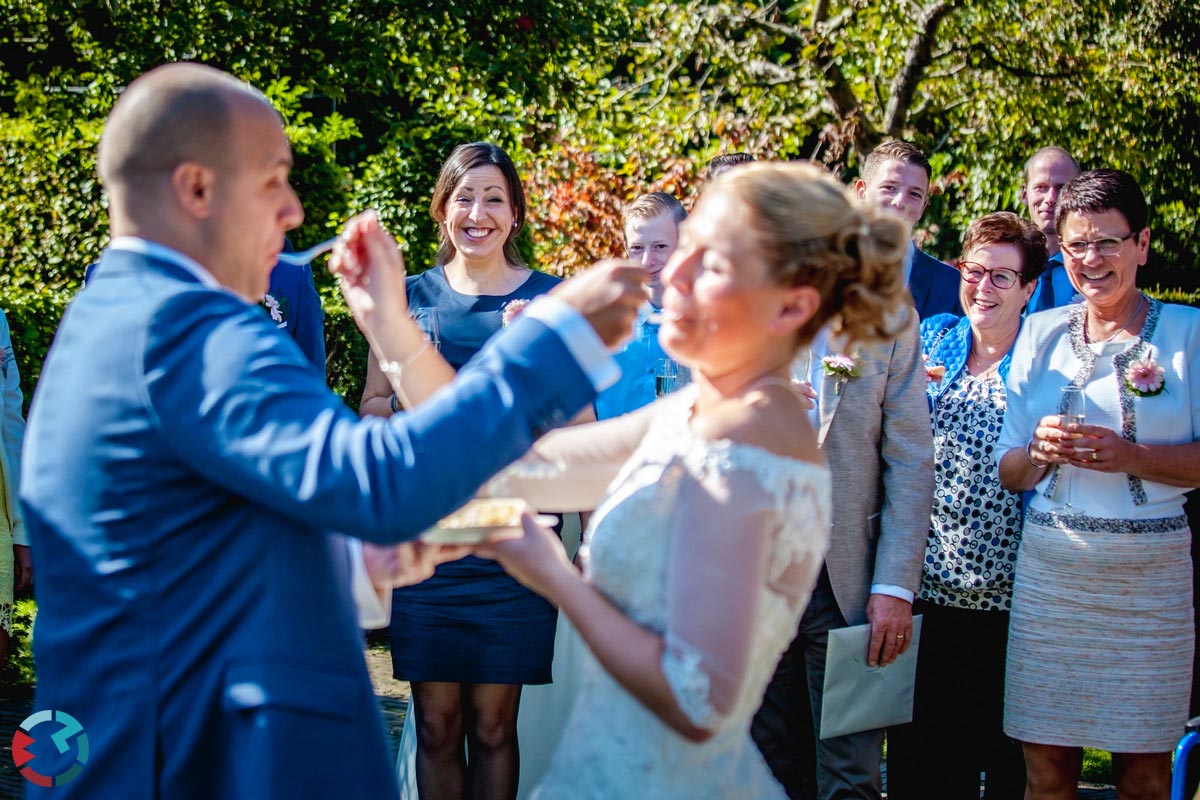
{"type": "Point", "coordinates": [298, 307]}
{"type": "Point", "coordinates": [184, 465]}
{"type": "Point", "coordinates": [895, 177]}
{"type": "Point", "coordinates": [292, 303]}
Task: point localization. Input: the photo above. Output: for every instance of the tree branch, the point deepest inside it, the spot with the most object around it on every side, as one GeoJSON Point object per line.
{"type": "Point", "coordinates": [916, 59]}
{"type": "Point", "coordinates": [820, 11]}
{"type": "Point", "coordinates": [846, 105]}
{"type": "Point", "coordinates": [990, 58]}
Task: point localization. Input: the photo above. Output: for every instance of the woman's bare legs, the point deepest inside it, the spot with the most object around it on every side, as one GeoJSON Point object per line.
{"type": "Point", "coordinates": [1051, 772]}
{"type": "Point", "coordinates": [495, 762]}
{"type": "Point", "coordinates": [441, 758]}
{"type": "Point", "coordinates": [1142, 776]}
{"type": "Point", "coordinates": [483, 715]}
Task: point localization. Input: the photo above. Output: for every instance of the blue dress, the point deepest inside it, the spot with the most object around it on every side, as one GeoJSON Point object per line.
{"type": "Point", "coordinates": [470, 622]}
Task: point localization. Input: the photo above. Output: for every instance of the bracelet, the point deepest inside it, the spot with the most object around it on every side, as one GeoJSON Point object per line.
{"type": "Point", "coordinates": [1029, 456]}
{"type": "Point", "coordinates": [395, 367]}
{"type": "Point", "coordinates": [394, 403]}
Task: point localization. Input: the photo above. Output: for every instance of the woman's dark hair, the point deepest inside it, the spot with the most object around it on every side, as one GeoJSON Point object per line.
{"type": "Point", "coordinates": [464, 158]}
{"type": "Point", "coordinates": [1100, 190]}
{"type": "Point", "coordinates": [1005, 227]}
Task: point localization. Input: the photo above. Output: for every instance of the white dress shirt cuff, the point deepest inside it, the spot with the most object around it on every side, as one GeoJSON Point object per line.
{"type": "Point", "coordinates": [374, 606]}
{"type": "Point", "coordinates": [579, 337]}
{"type": "Point", "coordinates": [892, 591]}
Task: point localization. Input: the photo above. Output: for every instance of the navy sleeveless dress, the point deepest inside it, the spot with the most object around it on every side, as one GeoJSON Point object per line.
{"type": "Point", "coordinates": [470, 622]}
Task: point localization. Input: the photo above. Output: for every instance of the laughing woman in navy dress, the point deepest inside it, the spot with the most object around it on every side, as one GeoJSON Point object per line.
{"type": "Point", "coordinates": [471, 636]}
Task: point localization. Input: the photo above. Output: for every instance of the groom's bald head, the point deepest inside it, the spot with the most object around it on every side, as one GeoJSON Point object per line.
{"type": "Point", "coordinates": [170, 115]}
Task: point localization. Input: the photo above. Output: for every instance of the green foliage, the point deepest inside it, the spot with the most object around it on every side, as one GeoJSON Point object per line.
{"type": "Point", "coordinates": [598, 101]}
{"type": "Point", "coordinates": [1097, 767]}
{"type": "Point", "coordinates": [980, 85]}
{"type": "Point", "coordinates": [51, 228]}
{"type": "Point", "coordinates": [18, 667]}
{"type": "Point", "coordinates": [345, 352]}
{"type": "Point", "coordinates": [1174, 295]}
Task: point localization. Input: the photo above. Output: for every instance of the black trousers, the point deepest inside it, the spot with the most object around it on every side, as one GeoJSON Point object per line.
{"type": "Point", "coordinates": [958, 711]}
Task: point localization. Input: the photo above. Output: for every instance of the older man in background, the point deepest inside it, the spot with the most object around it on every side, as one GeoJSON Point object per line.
{"type": "Point", "coordinates": [1046, 173]}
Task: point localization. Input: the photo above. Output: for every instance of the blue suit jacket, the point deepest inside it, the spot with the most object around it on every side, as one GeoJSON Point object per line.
{"type": "Point", "coordinates": [183, 466]}
{"type": "Point", "coordinates": [934, 286]}
{"type": "Point", "coordinates": [303, 317]}
{"type": "Point", "coordinates": [1054, 288]}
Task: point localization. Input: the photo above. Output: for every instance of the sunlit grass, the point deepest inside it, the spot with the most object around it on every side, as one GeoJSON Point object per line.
{"type": "Point", "coordinates": [1097, 766]}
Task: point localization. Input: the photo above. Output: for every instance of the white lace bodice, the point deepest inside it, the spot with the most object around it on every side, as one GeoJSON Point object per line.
{"type": "Point", "coordinates": [716, 547]}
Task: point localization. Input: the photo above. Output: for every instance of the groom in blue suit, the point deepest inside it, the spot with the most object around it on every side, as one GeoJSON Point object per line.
{"type": "Point", "coordinates": [185, 466]}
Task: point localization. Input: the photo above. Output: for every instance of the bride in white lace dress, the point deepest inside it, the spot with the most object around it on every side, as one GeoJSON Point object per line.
{"type": "Point", "coordinates": [712, 504]}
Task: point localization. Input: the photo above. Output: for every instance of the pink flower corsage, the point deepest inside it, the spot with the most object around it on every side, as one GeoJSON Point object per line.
{"type": "Point", "coordinates": [510, 311]}
{"type": "Point", "coordinates": [1145, 377]}
{"type": "Point", "coordinates": [840, 366]}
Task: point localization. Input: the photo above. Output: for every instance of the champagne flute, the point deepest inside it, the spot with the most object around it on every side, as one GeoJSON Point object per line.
{"type": "Point", "coordinates": [665, 377]}
{"type": "Point", "coordinates": [1070, 410]}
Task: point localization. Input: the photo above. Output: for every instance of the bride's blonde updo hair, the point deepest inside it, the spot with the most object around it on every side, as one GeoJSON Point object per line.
{"type": "Point", "coordinates": [812, 233]}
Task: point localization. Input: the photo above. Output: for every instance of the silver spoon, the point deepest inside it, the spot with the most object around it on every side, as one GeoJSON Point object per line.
{"type": "Point", "coordinates": [305, 256]}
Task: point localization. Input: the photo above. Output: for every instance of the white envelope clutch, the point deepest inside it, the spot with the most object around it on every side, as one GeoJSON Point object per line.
{"type": "Point", "coordinates": [858, 697]}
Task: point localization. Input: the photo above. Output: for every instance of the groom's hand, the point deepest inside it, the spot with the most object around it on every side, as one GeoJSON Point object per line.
{"type": "Point", "coordinates": [608, 295]}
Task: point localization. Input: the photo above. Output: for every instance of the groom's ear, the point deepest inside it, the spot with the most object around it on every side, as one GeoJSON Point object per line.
{"type": "Point", "coordinates": [192, 185]}
{"type": "Point", "coordinates": [799, 306]}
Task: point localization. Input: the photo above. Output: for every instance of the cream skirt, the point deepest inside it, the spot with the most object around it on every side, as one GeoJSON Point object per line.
{"type": "Point", "coordinates": [1101, 637]}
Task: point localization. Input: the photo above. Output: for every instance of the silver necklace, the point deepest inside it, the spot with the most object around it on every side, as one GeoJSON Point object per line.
{"type": "Point", "coordinates": [1137, 310]}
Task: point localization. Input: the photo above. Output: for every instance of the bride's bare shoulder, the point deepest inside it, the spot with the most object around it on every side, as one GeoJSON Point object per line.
{"type": "Point", "coordinates": [773, 418]}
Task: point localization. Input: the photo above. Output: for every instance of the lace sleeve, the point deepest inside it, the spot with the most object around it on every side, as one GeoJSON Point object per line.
{"type": "Point", "coordinates": [729, 568]}
{"type": "Point", "coordinates": [569, 469]}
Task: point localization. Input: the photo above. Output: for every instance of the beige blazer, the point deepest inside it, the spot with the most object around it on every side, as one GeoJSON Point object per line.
{"type": "Point", "coordinates": [875, 434]}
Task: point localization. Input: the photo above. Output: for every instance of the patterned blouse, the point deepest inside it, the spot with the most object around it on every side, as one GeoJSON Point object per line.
{"type": "Point", "coordinates": [975, 526]}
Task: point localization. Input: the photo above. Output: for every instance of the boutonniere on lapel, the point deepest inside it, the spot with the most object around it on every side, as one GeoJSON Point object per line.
{"type": "Point", "coordinates": [841, 368]}
{"type": "Point", "coordinates": [276, 309]}
{"type": "Point", "coordinates": [1145, 377]}
{"type": "Point", "coordinates": [510, 311]}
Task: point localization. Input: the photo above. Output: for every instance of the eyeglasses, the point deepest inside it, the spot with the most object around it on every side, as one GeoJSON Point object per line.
{"type": "Point", "coordinates": [1108, 246]}
{"type": "Point", "coordinates": [1001, 278]}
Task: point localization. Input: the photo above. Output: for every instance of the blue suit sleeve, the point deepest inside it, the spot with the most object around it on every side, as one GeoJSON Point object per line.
{"type": "Point", "coordinates": [309, 332]}
{"type": "Point", "coordinates": [242, 409]}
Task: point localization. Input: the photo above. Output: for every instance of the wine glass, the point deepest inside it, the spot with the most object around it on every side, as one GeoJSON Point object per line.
{"type": "Point", "coordinates": [426, 318]}
{"type": "Point", "coordinates": [1070, 410]}
{"type": "Point", "coordinates": [802, 365]}
{"type": "Point", "coordinates": [666, 374]}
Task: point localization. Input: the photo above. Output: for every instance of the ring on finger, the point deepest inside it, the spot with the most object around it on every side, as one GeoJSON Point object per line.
{"type": "Point", "coordinates": [1095, 456]}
